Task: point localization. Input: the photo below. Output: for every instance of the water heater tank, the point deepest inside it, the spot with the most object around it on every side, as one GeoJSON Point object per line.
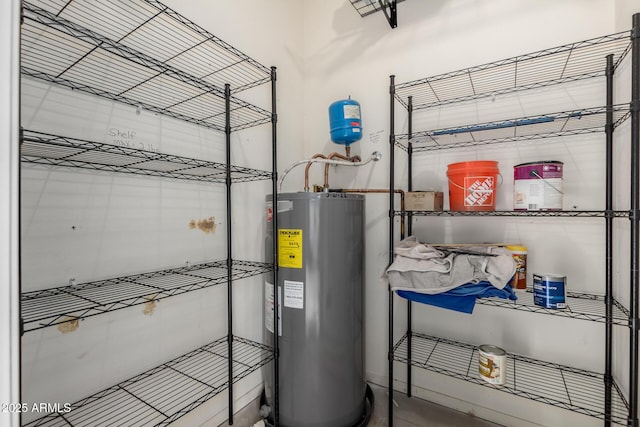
{"type": "Point", "coordinates": [345, 122]}
{"type": "Point", "coordinates": [320, 282]}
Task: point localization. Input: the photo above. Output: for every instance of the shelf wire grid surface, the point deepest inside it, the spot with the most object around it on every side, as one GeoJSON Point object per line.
{"type": "Point", "coordinates": [48, 307]}
{"type": "Point", "coordinates": [566, 63]}
{"type": "Point", "coordinates": [565, 214]}
{"type": "Point", "coordinates": [367, 7]}
{"type": "Point", "coordinates": [53, 150]}
{"type": "Point", "coordinates": [580, 305]}
{"type": "Point", "coordinates": [167, 392]}
{"type": "Point", "coordinates": [569, 388]}
{"type": "Point", "coordinates": [134, 52]}
{"type": "Point", "coordinates": [577, 122]}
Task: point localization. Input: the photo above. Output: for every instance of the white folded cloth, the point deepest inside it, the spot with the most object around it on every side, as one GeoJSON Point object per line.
{"type": "Point", "coordinates": [422, 268]}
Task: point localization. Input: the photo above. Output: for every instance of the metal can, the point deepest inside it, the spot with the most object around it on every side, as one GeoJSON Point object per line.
{"type": "Point", "coordinates": [537, 186]}
{"type": "Point", "coordinates": [492, 365]}
{"type": "Point", "coordinates": [549, 290]}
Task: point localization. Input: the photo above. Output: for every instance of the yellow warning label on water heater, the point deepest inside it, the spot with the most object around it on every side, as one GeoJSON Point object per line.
{"type": "Point", "coordinates": [290, 248]}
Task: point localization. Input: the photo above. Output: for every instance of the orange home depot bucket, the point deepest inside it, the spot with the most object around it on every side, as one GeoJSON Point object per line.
{"type": "Point", "coordinates": [472, 185]}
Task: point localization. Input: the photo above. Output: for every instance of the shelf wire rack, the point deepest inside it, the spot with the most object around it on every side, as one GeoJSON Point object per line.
{"type": "Point", "coordinates": [167, 392]}
{"type": "Point", "coordinates": [576, 122]}
{"type": "Point", "coordinates": [136, 55]}
{"type": "Point", "coordinates": [562, 386]}
{"type": "Point", "coordinates": [565, 214]}
{"type": "Point", "coordinates": [580, 305]}
{"type": "Point", "coordinates": [561, 64]}
{"type": "Point", "coordinates": [54, 150]}
{"type": "Point", "coordinates": [55, 306]}
{"type": "Point", "coordinates": [367, 7]}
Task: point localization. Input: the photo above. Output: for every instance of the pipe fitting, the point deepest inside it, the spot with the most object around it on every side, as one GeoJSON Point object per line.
{"type": "Point", "coordinates": [375, 156]}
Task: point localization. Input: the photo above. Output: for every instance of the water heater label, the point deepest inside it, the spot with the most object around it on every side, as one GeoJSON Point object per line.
{"type": "Point", "coordinates": [269, 308]}
{"type": "Point", "coordinates": [293, 294]}
{"type": "Point", "coordinates": [290, 248]}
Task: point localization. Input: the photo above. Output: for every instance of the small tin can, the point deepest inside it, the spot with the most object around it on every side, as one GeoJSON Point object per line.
{"type": "Point", "coordinates": [549, 290]}
{"type": "Point", "coordinates": [492, 365]}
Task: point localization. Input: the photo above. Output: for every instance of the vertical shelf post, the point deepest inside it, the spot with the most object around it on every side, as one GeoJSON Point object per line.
{"type": "Point", "coordinates": [608, 378]}
{"type": "Point", "coordinates": [391, 216]}
{"type": "Point", "coordinates": [274, 225]}
{"type": "Point", "coordinates": [410, 160]}
{"type": "Point", "coordinates": [409, 188]}
{"type": "Point", "coordinates": [227, 131]}
{"type": "Point", "coordinates": [635, 212]}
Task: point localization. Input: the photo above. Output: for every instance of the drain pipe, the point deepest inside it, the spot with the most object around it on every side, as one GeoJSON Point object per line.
{"type": "Point", "coordinates": [375, 156]}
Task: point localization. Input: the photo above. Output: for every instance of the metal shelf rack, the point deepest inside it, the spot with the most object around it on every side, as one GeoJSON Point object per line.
{"type": "Point", "coordinates": [561, 64]}
{"type": "Point", "coordinates": [580, 305]}
{"type": "Point", "coordinates": [55, 150]}
{"type": "Point", "coordinates": [167, 392]}
{"type": "Point", "coordinates": [367, 7]}
{"type": "Point", "coordinates": [146, 51]}
{"type": "Point", "coordinates": [593, 394]}
{"type": "Point", "coordinates": [54, 306]}
{"type": "Point", "coordinates": [143, 54]}
{"type": "Point", "coordinates": [388, 7]}
{"type": "Point", "coordinates": [565, 214]}
{"type": "Point", "coordinates": [577, 122]}
{"type": "Point", "coordinates": [574, 389]}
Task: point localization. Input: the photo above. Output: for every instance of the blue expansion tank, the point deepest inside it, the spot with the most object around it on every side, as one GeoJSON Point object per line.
{"type": "Point", "coordinates": [345, 122]}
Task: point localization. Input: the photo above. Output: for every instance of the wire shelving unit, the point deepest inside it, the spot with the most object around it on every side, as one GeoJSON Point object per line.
{"type": "Point", "coordinates": [144, 54]}
{"type": "Point", "coordinates": [595, 394]}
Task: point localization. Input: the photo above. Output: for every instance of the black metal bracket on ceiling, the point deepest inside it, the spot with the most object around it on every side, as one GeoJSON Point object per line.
{"type": "Point", "coordinates": [388, 7]}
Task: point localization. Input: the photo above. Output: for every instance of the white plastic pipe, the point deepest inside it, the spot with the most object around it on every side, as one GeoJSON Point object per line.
{"type": "Point", "coordinates": [375, 156]}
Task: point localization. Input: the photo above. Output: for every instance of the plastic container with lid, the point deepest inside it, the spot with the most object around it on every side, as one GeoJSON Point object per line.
{"type": "Point", "coordinates": [519, 280]}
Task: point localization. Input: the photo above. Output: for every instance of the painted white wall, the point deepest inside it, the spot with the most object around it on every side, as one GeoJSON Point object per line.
{"type": "Point", "coordinates": [9, 258]}
{"type": "Point", "coordinates": [324, 51]}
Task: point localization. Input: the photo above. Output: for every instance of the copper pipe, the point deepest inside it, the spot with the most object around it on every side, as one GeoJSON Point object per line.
{"type": "Point", "coordinates": [333, 155]}
{"type": "Point", "coordinates": [306, 170]}
{"type": "Point", "coordinates": [382, 190]}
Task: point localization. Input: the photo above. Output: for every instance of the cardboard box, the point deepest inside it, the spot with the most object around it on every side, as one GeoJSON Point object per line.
{"type": "Point", "coordinates": [423, 201]}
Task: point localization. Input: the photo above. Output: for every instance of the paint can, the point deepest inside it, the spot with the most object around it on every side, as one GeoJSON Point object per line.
{"type": "Point", "coordinates": [519, 253]}
{"type": "Point", "coordinates": [537, 186]}
{"type": "Point", "coordinates": [549, 290]}
{"type": "Point", "coordinates": [492, 364]}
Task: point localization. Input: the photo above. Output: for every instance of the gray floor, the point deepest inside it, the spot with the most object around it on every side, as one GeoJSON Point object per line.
{"type": "Point", "coordinates": [408, 412]}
